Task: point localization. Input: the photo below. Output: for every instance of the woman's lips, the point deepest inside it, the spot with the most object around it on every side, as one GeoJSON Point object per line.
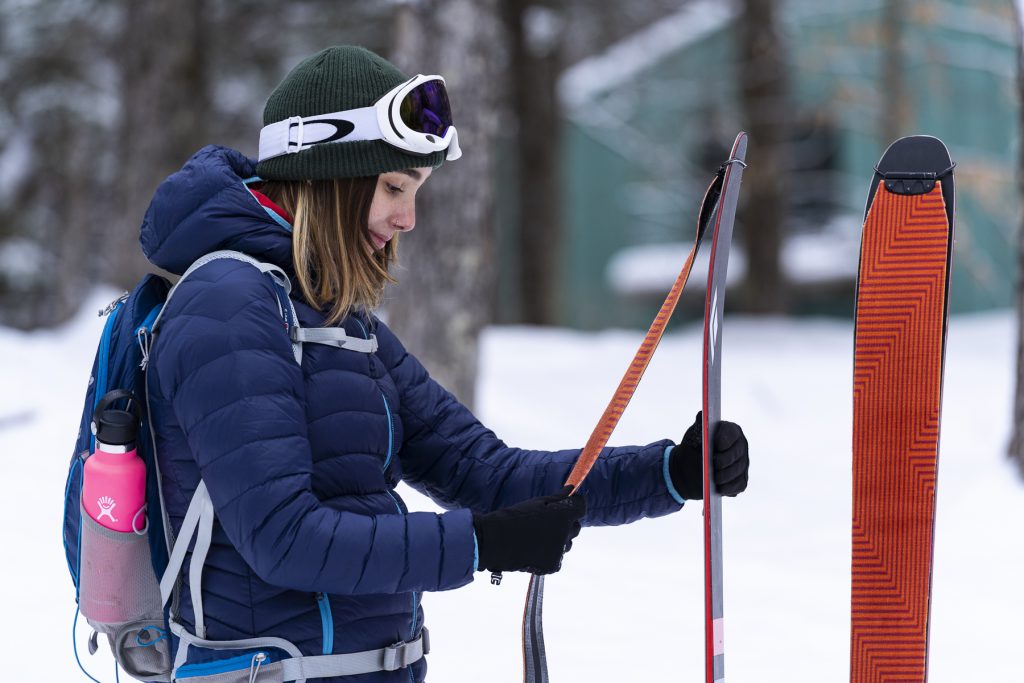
{"type": "Point", "coordinates": [378, 241]}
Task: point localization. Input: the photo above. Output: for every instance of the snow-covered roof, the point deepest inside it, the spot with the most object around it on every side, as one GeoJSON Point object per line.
{"type": "Point", "coordinates": [641, 50]}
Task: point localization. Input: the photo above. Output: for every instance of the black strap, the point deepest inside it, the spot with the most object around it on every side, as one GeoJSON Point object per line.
{"type": "Point", "coordinates": [915, 175]}
{"type": "Point", "coordinates": [112, 397]}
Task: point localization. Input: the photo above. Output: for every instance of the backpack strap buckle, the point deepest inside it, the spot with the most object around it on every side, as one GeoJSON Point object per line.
{"type": "Point", "coordinates": [401, 655]}
{"type": "Point", "coordinates": [333, 336]}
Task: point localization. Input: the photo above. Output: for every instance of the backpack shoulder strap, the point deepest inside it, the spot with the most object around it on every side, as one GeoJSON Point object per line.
{"type": "Point", "coordinates": [330, 336]}
{"type": "Point", "coordinates": [282, 286]}
{"type": "Point", "coordinates": [198, 524]}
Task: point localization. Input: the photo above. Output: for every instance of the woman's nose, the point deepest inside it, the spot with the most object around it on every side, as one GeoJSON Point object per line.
{"type": "Point", "coordinates": [405, 220]}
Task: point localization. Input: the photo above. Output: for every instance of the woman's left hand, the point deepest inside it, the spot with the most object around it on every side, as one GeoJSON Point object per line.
{"type": "Point", "coordinates": [729, 458]}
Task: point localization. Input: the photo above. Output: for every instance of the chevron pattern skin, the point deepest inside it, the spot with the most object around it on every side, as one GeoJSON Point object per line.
{"type": "Point", "coordinates": [898, 357]}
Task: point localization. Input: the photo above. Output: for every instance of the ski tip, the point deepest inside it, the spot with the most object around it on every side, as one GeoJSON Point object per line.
{"type": "Point", "coordinates": [916, 154]}
{"type": "Point", "coordinates": [739, 147]}
{"type": "Point", "coordinates": [912, 165]}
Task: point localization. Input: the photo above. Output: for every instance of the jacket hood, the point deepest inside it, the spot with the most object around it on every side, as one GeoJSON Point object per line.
{"type": "Point", "coordinates": [206, 207]}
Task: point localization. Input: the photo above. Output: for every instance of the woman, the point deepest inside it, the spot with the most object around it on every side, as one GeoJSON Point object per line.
{"type": "Point", "coordinates": [313, 552]}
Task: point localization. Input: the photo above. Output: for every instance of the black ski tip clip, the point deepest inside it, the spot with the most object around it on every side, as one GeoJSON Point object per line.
{"type": "Point", "coordinates": [911, 182]}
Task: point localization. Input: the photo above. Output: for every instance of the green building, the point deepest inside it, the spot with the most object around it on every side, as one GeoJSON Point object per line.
{"type": "Point", "coordinates": [649, 120]}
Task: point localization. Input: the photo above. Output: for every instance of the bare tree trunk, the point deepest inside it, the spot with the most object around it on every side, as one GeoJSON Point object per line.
{"type": "Point", "coordinates": [534, 67]}
{"type": "Point", "coordinates": [165, 112]}
{"type": "Point", "coordinates": [75, 233]}
{"type": "Point", "coordinates": [765, 107]}
{"type": "Point", "coordinates": [1016, 450]}
{"type": "Point", "coordinates": [893, 108]}
{"type": "Point", "coordinates": [53, 198]}
{"type": "Point", "coordinates": [446, 284]}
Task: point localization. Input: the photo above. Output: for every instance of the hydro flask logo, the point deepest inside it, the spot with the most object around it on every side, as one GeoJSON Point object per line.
{"type": "Point", "coordinates": [107, 505]}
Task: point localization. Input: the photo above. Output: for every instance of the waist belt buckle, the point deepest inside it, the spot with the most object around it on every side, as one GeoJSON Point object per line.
{"type": "Point", "coordinates": [401, 655]}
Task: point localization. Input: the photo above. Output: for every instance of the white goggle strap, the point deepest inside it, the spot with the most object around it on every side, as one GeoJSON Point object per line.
{"type": "Point", "coordinates": [298, 133]}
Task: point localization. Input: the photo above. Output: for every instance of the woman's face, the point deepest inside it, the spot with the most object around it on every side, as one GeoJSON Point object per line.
{"type": "Point", "coordinates": [393, 208]}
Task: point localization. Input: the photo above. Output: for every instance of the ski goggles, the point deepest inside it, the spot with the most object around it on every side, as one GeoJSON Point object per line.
{"type": "Point", "coordinates": [415, 117]}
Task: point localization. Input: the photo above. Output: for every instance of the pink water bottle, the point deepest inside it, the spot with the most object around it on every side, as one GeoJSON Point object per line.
{"type": "Point", "coordinates": [115, 571]}
{"type": "Point", "coordinates": [114, 482]}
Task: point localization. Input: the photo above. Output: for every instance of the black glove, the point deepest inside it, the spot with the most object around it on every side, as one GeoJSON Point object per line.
{"type": "Point", "coordinates": [729, 461]}
{"type": "Point", "coordinates": [530, 536]}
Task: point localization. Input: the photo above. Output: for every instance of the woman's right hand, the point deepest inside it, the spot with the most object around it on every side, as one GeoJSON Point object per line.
{"type": "Point", "coordinates": [531, 536]}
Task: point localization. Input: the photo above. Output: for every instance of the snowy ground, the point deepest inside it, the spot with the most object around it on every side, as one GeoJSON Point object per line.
{"type": "Point", "coordinates": [628, 604]}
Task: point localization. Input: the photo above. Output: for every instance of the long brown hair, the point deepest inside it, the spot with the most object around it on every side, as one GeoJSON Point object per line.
{"type": "Point", "coordinates": [335, 260]}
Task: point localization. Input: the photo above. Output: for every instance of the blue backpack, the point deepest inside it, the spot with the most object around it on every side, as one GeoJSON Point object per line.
{"type": "Point", "coordinates": [141, 645]}
{"type": "Point", "coordinates": [147, 564]}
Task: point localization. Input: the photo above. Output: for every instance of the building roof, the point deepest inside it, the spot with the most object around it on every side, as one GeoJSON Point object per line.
{"type": "Point", "coordinates": [639, 51]}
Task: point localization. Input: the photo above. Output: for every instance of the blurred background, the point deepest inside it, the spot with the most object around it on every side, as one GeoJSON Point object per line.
{"type": "Point", "coordinates": [591, 129]}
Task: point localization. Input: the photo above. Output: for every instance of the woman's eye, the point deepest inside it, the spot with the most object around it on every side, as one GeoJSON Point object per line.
{"type": "Point", "coordinates": [394, 189]}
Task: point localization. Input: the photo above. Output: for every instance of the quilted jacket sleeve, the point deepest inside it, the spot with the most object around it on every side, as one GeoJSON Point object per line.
{"type": "Point", "coordinates": [449, 455]}
{"type": "Point", "coordinates": [238, 395]}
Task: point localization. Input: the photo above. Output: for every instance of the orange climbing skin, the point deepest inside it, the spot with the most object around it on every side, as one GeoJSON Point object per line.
{"type": "Point", "coordinates": [898, 359]}
{"type": "Point", "coordinates": [627, 386]}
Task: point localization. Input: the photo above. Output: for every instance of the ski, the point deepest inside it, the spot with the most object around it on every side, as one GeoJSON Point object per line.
{"type": "Point", "coordinates": [899, 352]}
{"type": "Point", "coordinates": [721, 238]}
{"type": "Point", "coordinates": [711, 210]}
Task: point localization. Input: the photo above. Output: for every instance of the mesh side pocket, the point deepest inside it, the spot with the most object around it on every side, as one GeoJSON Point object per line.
{"type": "Point", "coordinates": [117, 585]}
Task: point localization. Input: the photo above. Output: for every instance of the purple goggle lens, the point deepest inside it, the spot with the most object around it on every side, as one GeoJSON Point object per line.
{"type": "Point", "coordinates": [426, 109]}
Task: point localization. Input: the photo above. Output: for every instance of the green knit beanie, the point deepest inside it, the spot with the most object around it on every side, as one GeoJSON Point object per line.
{"type": "Point", "coordinates": [337, 79]}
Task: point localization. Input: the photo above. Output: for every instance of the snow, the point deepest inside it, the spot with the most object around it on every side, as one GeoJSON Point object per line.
{"type": "Point", "coordinates": [628, 604]}
{"type": "Point", "coordinates": [22, 261]}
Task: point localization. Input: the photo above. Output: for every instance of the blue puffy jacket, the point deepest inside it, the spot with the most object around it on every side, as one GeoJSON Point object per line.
{"type": "Point", "coordinates": [312, 543]}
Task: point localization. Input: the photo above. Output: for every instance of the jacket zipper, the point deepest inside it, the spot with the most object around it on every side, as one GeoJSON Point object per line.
{"type": "Point", "coordinates": [391, 431]}
{"type": "Point", "coordinates": [221, 665]}
{"type": "Point", "coordinates": [327, 621]}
